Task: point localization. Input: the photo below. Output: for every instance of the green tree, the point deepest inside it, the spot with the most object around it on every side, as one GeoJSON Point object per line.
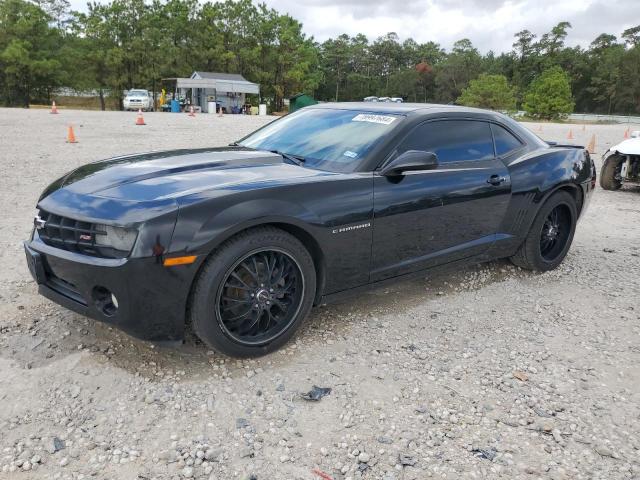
{"type": "Point", "coordinates": [606, 59]}
{"type": "Point", "coordinates": [632, 36]}
{"type": "Point", "coordinates": [120, 44]}
{"type": "Point", "coordinates": [553, 42]}
{"type": "Point", "coordinates": [489, 91]}
{"type": "Point", "coordinates": [549, 95]}
{"type": "Point", "coordinates": [335, 65]}
{"type": "Point", "coordinates": [386, 53]}
{"type": "Point", "coordinates": [457, 69]}
{"type": "Point", "coordinates": [525, 59]}
{"type": "Point", "coordinates": [29, 66]}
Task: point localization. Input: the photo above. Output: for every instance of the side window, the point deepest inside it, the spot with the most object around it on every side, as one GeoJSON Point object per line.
{"type": "Point", "coordinates": [505, 141]}
{"type": "Point", "coordinates": [452, 140]}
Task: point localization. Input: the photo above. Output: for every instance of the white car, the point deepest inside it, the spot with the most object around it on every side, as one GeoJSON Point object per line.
{"type": "Point", "coordinates": [621, 163]}
{"type": "Point", "coordinates": [138, 100]}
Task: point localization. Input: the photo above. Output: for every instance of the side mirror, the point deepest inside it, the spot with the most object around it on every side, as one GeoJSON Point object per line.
{"type": "Point", "coordinates": [411, 160]}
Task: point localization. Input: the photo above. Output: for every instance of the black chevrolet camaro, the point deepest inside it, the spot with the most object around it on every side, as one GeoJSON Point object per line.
{"type": "Point", "coordinates": [243, 240]}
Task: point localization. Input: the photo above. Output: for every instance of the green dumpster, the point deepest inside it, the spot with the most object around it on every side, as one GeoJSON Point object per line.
{"type": "Point", "coordinates": [299, 101]}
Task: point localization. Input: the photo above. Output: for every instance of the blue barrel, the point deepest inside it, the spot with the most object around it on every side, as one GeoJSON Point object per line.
{"type": "Point", "coordinates": [175, 106]}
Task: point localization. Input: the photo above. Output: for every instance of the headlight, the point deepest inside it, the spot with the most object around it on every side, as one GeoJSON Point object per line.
{"type": "Point", "coordinates": [116, 237]}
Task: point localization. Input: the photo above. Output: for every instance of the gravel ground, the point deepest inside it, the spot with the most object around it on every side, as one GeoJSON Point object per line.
{"type": "Point", "coordinates": [490, 372]}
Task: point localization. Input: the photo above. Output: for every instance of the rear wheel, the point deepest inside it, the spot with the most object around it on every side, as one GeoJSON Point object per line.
{"type": "Point", "coordinates": [610, 174]}
{"type": "Point", "coordinates": [253, 293]}
{"type": "Point", "coordinates": [550, 235]}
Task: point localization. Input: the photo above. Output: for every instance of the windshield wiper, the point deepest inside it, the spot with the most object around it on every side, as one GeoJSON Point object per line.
{"type": "Point", "coordinates": [297, 159]}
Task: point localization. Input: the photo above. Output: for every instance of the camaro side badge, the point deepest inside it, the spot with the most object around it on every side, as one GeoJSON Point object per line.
{"type": "Point", "coordinates": [352, 227]}
{"type": "Point", "coordinates": [38, 222]}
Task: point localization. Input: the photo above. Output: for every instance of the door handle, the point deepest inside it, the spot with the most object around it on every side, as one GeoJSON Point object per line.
{"type": "Point", "coordinates": [496, 180]}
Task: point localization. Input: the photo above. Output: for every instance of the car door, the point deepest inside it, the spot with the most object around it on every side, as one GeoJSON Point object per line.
{"type": "Point", "coordinates": [426, 218]}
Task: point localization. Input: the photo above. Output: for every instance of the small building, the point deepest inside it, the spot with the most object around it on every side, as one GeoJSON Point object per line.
{"type": "Point", "coordinates": [299, 101]}
{"type": "Point", "coordinates": [226, 90]}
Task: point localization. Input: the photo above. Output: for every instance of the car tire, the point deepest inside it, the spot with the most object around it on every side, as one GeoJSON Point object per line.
{"type": "Point", "coordinates": [549, 240]}
{"type": "Point", "coordinates": [234, 288]}
{"type": "Point", "coordinates": [608, 172]}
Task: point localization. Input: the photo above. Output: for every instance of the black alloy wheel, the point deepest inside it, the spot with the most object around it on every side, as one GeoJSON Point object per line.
{"type": "Point", "coordinates": [555, 233]}
{"type": "Point", "coordinates": [260, 296]}
{"type": "Point", "coordinates": [550, 234]}
{"type": "Point", "coordinates": [253, 292]}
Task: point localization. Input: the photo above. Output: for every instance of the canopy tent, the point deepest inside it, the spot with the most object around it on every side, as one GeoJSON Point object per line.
{"type": "Point", "coordinates": [227, 90]}
{"type": "Point", "coordinates": [222, 82]}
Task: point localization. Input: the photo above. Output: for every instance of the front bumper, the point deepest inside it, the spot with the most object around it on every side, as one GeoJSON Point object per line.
{"type": "Point", "coordinates": [136, 105]}
{"type": "Point", "coordinates": [151, 299]}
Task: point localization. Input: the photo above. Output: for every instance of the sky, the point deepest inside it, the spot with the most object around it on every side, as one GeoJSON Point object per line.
{"type": "Point", "coordinates": [489, 24]}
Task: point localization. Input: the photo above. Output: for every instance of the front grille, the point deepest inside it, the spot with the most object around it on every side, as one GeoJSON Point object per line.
{"type": "Point", "coordinates": [74, 236]}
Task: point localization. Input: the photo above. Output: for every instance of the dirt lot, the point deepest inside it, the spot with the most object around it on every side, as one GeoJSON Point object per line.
{"type": "Point", "coordinates": [491, 372]}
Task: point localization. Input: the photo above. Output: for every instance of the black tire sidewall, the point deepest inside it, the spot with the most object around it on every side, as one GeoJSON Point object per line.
{"type": "Point", "coordinates": [203, 304]}
{"type": "Point", "coordinates": [607, 174]}
{"type": "Point", "coordinates": [532, 242]}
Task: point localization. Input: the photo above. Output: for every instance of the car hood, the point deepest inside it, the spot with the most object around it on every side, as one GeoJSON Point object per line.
{"type": "Point", "coordinates": [627, 147]}
{"type": "Point", "coordinates": [173, 174]}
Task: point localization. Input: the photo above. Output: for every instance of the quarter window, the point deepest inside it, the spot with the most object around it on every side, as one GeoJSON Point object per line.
{"type": "Point", "coordinates": [452, 140]}
{"type": "Point", "coordinates": [505, 141]}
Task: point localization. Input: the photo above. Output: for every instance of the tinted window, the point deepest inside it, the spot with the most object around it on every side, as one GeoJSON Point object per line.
{"type": "Point", "coordinates": [505, 142]}
{"type": "Point", "coordinates": [452, 140]}
{"type": "Point", "coordinates": [328, 139]}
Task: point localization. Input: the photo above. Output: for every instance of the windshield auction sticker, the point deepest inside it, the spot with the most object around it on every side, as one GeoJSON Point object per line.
{"type": "Point", "coordinates": [372, 118]}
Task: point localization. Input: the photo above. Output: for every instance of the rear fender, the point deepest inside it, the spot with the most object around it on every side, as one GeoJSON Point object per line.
{"type": "Point", "coordinates": [538, 176]}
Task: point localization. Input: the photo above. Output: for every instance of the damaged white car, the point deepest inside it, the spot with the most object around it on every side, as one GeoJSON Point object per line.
{"type": "Point", "coordinates": [621, 163]}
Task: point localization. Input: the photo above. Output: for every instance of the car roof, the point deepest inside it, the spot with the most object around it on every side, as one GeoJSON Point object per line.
{"type": "Point", "coordinates": [422, 110]}
{"type": "Point", "coordinates": [400, 108]}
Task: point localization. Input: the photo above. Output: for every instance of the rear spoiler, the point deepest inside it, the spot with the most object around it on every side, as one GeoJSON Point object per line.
{"type": "Point", "coordinates": [562, 145]}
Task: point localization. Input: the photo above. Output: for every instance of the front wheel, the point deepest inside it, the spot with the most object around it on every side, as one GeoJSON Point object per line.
{"type": "Point", "coordinates": [610, 174]}
{"type": "Point", "coordinates": [253, 293]}
{"type": "Point", "coordinates": [550, 235]}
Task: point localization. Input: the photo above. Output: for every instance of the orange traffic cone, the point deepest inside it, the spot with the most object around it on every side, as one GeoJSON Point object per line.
{"type": "Point", "coordinates": [191, 112]}
{"type": "Point", "coordinates": [54, 109]}
{"type": "Point", "coordinates": [591, 148]}
{"type": "Point", "coordinates": [140, 119]}
{"type": "Point", "coordinates": [626, 133]}
{"type": "Point", "coordinates": [570, 135]}
{"type": "Point", "coordinates": [71, 137]}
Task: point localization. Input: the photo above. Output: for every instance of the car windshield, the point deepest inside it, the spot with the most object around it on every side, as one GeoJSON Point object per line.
{"type": "Point", "coordinates": [138, 93]}
{"type": "Point", "coordinates": [327, 139]}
